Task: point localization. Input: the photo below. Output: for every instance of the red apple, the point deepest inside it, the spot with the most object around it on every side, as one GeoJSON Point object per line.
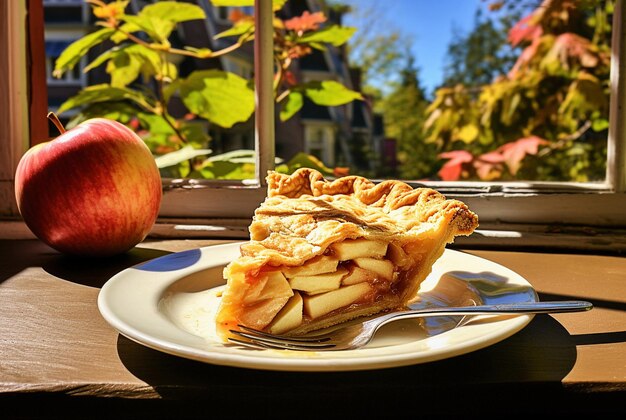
{"type": "Point", "coordinates": [93, 191]}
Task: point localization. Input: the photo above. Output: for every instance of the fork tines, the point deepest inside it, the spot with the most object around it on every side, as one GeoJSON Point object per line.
{"type": "Point", "coordinates": [261, 339]}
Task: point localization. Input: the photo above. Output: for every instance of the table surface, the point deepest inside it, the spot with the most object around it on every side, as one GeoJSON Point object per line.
{"type": "Point", "coordinates": [58, 353]}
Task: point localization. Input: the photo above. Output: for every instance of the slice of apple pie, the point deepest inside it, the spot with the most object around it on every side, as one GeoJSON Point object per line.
{"type": "Point", "coordinates": [325, 252]}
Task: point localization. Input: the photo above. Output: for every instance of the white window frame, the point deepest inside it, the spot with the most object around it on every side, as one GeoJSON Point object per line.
{"type": "Point", "coordinates": [582, 216]}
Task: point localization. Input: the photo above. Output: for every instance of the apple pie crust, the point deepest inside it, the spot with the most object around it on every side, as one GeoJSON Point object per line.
{"type": "Point", "coordinates": [324, 252]}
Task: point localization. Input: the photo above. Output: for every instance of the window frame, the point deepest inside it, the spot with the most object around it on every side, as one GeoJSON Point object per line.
{"type": "Point", "coordinates": [581, 216]}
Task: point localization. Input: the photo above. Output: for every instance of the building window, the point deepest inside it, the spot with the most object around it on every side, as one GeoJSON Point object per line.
{"type": "Point", "coordinates": [54, 48]}
{"type": "Point", "coordinates": [319, 141]}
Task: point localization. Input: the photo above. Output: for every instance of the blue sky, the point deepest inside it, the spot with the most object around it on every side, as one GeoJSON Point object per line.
{"type": "Point", "coordinates": [429, 23]}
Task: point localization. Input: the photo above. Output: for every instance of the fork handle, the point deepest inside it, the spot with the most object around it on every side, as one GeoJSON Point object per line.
{"type": "Point", "coordinates": [505, 308]}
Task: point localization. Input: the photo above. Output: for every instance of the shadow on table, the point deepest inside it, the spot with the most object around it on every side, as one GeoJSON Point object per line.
{"type": "Point", "coordinates": [516, 374]}
{"type": "Point", "coordinates": [95, 272]}
{"type": "Point", "coordinates": [20, 255]}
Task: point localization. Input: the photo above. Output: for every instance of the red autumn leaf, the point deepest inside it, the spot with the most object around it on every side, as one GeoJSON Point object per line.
{"type": "Point", "coordinates": [452, 169]}
{"type": "Point", "coordinates": [525, 30]}
{"type": "Point", "coordinates": [569, 45]}
{"type": "Point", "coordinates": [525, 57]}
{"type": "Point", "coordinates": [306, 22]}
{"type": "Point", "coordinates": [489, 165]}
{"type": "Point", "coordinates": [134, 124]}
{"type": "Point", "coordinates": [514, 152]}
{"type": "Point", "coordinates": [340, 171]}
{"type": "Point", "coordinates": [236, 15]}
{"type": "Point", "coordinates": [290, 78]}
{"type": "Point", "coordinates": [298, 51]}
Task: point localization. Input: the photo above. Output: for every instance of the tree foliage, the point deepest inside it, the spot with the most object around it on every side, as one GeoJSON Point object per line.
{"type": "Point", "coordinates": [546, 118]}
{"type": "Point", "coordinates": [144, 79]}
{"type": "Point", "coordinates": [379, 48]}
{"type": "Point", "coordinates": [477, 58]}
{"type": "Point", "coordinates": [403, 110]}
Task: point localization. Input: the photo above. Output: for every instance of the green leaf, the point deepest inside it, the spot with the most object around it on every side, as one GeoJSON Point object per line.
{"type": "Point", "coordinates": [329, 93]}
{"type": "Point", "coordinates": [235, 3]}
{"type": "Point", "coordinates": [73, 53]}
{"type": "Point", "coordinates": [200, 52]}
{"type": "Point", "coordinates": [194, 132]}
{"type": "Point", "coordinates": [468, 133]}
{"type": "Point", "coordinates": [221, 97]}
{"type": "Point", "coordinates": [104, 93]}
{"type": "Point", "coordinates": [276, 4]}
{"type": "Point", "coordinates": [158, 29]}
{"type": "Point", "coordinates": [510, 104]}
{"type": "Point", "coordinates": [584, 97]}
{"type": "Point", "coordinates": [600, 124]}
{"type": "Point", "coordinates": [158, 20]}
{"type": "Point", "coordinates": [318, 46]}
{"type": "Point", "coordinates": [170, 89]}
{"type": "Point", "coordinates": [335, 35]}
{"type": "Point", "coordinates": [239, 28]}
{"type": "Point", "coordinates": [155, 124]}
{"type": "Point", "coordinates": [127, 62]}
{"type": "Point", "coordinates": [169, 71]}
{"type": "Point", "coordinates": [225, 170]}
{"type": "Point", "coordinates": [173, 11]}
{"type": "Point", "coordinates": [102, 58]}
{"type": "Point", "coordinates": [182, 155]}
{"type": "Point", "coordinates": [124, 69]}
{"type": "Point", "coordinates": [292, 105]}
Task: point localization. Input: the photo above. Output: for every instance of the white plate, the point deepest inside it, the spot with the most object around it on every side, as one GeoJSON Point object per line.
{"type": "Point", "coordinates": [169, 304]}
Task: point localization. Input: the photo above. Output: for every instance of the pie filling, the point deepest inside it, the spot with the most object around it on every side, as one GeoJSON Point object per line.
{"type": "Point", "coordinates": [352, 278]}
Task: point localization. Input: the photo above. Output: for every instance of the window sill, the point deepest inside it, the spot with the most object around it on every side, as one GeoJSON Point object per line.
{"type": "Point", "coordinates": [583, 239]}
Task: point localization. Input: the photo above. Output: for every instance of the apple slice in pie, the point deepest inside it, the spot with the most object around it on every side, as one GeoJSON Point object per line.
{"type": "Point", "coordinates": [324, 252]}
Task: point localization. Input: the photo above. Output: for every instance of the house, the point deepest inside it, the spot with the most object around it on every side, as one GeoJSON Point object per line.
{"type": "Point", "coordinates": [340, 136]}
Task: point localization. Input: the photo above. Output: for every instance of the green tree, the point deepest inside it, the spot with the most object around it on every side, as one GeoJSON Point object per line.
{"type": "Point", "coordinates": [477, 58]}
{"type": "Point", "coordinates": [378, 48]}
{"type": "Point", "coordinates": [390, 78]}
{"type": "Point", "coordinates": [404, 114]}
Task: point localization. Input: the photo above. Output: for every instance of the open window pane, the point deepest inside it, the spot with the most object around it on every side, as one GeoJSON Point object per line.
{"type": "Point", "coordinates": [491, 91]}
{"type": "Point", "coordinates": [488, 91]}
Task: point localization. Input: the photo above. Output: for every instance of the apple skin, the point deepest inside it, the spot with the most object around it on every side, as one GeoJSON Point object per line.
{"type": "Point", "coordinates": [95, 190]}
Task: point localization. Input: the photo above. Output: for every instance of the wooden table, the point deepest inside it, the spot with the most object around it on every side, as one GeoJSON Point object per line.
{"type": "Point", "coordinates": [58, 357]}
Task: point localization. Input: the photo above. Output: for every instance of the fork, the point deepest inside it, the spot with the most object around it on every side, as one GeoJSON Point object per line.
{"type": "Point", "coordinates": [358, 335]}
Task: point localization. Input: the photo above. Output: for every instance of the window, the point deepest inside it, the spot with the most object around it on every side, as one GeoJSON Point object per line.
{"type": "Point", "coordinates": [319, 141]}
{"type": "Point", "coordinates": [568, 215]}
{"type": "Point", "coordinates": [54, 47]}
